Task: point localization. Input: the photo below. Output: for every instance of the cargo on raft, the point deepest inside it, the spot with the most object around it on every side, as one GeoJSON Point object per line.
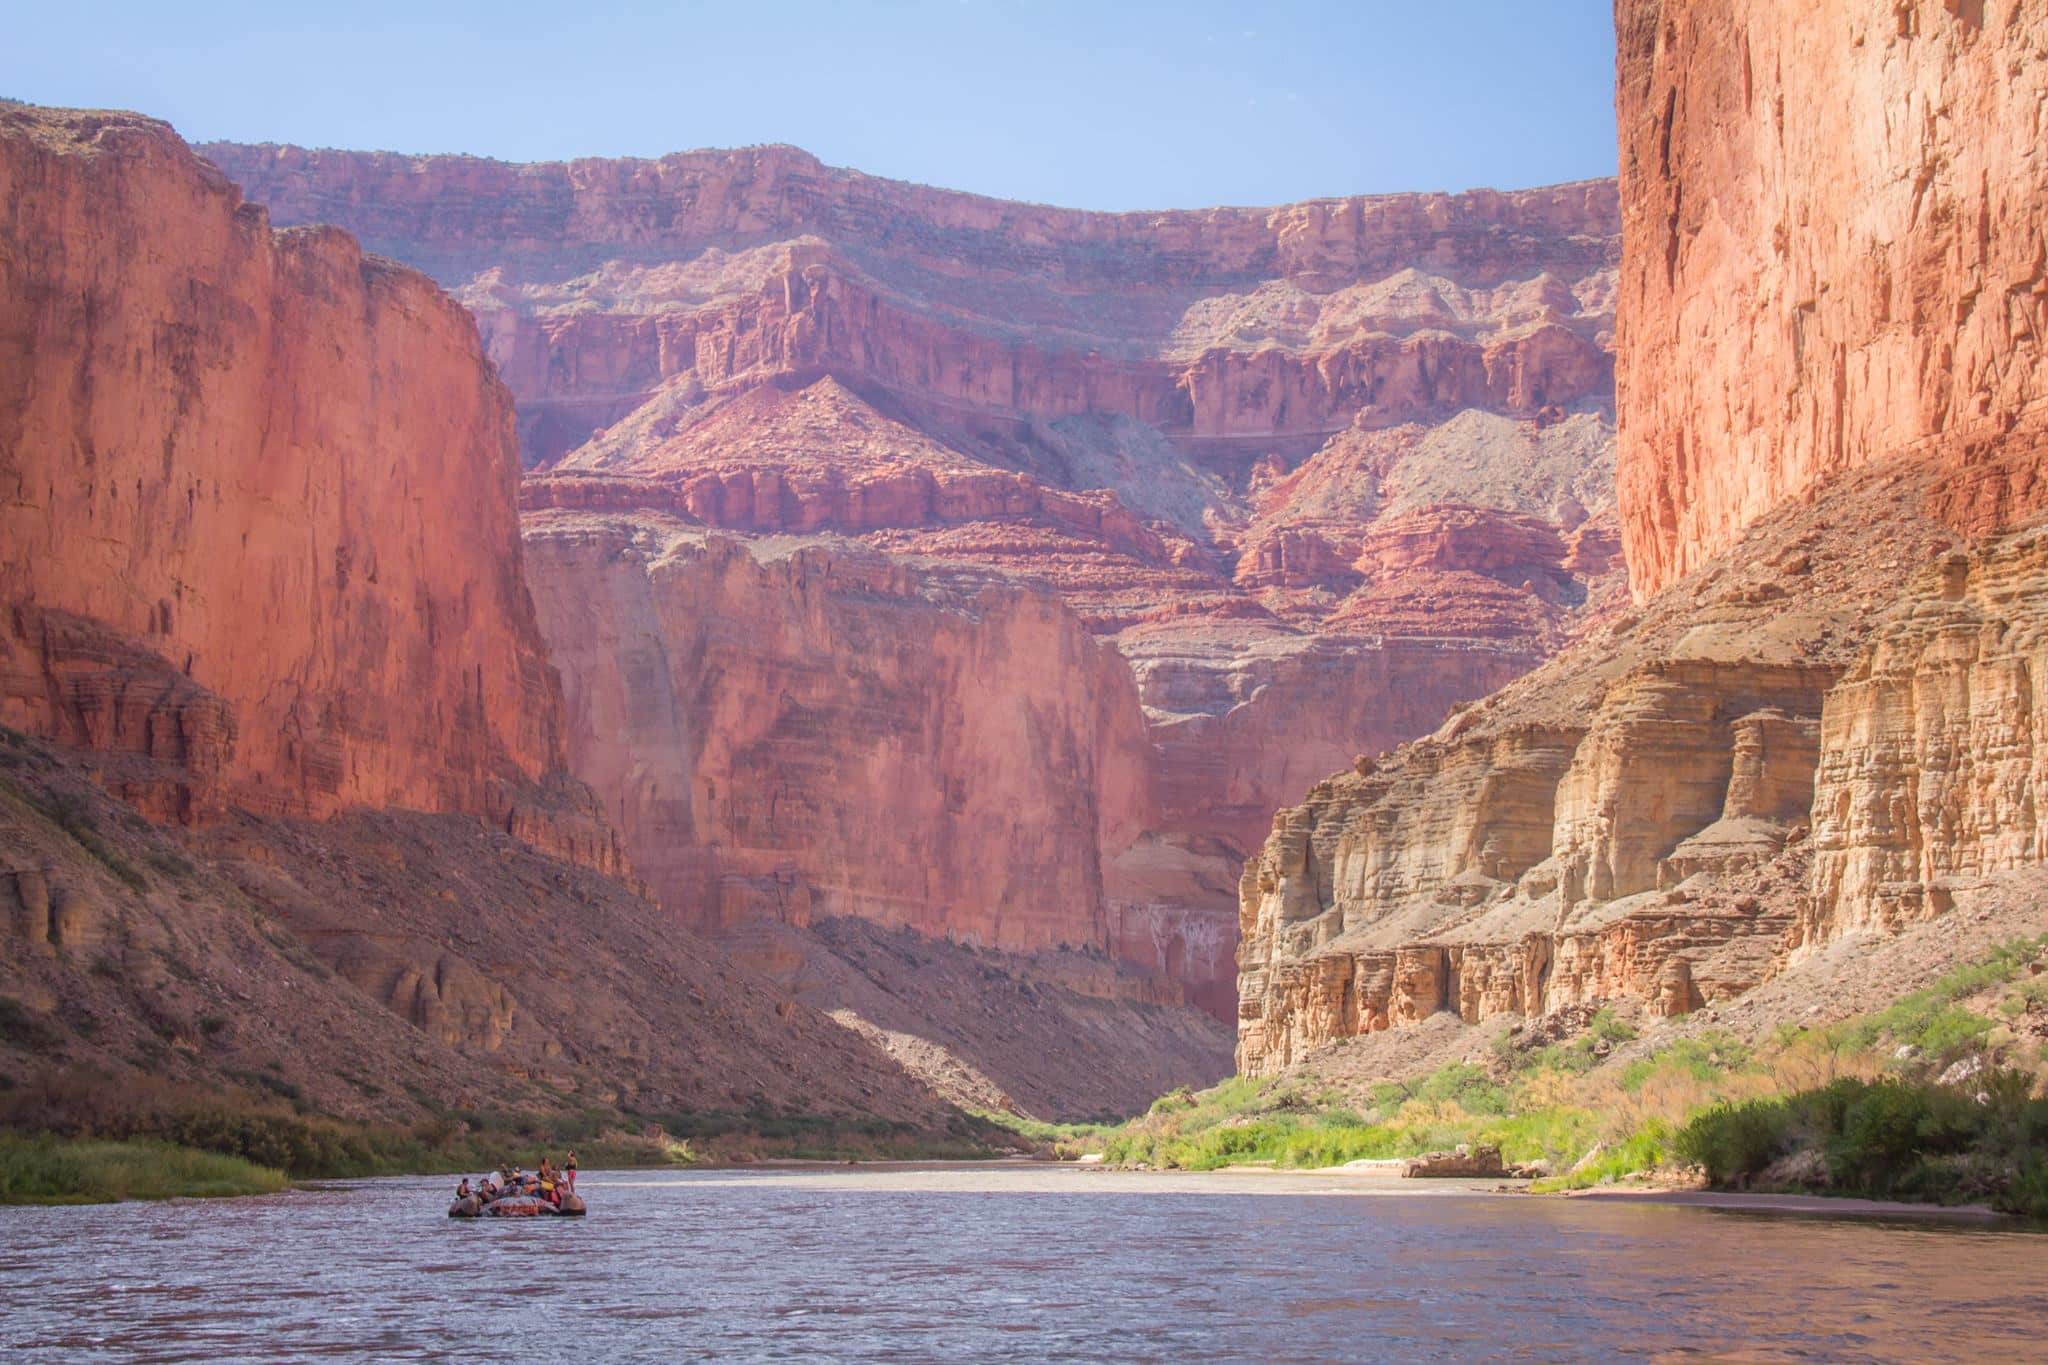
{"type": "Point", "coordinates": [518, 1206]}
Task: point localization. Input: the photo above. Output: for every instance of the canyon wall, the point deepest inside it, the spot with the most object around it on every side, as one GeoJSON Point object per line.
{"type": "Point", "coordinates": [725, 263]}
{"type": "Point", "coordinates": [229, 459]}
{"type": "Point", "coordinates": [1819, 724]}
{"type": "Point", "coordinates": [1934, 756]}
{"type": "Point", "coordinates": [1318, 472]}
{"type": "Point", "coordinates": [260, 561]}
{"type": "Point", "coordinates": [1835, 256]}
{"type": "Point", "coordinates": [805, 729]}
{"type": "Point", "coordinates": [1634, 821]}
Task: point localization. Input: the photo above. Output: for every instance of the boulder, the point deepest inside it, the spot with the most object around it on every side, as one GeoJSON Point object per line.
{"type": "Point", "coordinates": [1465, 1162]}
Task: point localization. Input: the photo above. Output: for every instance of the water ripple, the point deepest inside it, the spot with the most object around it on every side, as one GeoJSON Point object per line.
{"type": "Point", "coordinates": [997, 1264]}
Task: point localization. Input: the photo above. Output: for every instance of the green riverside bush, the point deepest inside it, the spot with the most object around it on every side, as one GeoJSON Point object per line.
{"type": "Point", "coordinates": [52, 1170]}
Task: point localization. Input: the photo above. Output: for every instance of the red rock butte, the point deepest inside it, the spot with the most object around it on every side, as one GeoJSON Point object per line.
{"type": "Point", "coordinates": [1317, 473]}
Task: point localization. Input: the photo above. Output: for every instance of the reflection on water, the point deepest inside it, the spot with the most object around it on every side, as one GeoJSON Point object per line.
{"type": "Point", "coordinates": [1003, 1263]}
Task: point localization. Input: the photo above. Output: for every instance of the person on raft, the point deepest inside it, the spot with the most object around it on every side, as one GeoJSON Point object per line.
{"type": "Point", "coordinates": [550, 1182]}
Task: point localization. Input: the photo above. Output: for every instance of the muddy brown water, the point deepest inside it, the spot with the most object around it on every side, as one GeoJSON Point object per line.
{"type": "Point", "coordinates": [1004, 1262]}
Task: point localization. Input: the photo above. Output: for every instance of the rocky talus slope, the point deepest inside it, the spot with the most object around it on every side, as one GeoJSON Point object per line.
{"type": "Point", "coordinates": [1836, 257]}
{"type": "Point", "coordinates": [385, 966]}
{"type": "Point", "coordinates": [1318, 472]}
{"type": "Point", "coordinates": [1819, 725]}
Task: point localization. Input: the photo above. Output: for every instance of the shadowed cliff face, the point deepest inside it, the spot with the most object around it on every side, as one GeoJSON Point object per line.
{"type": "Point", "coordinates": [1319, 472]}
{"type": "Point", "coordinates": [230, 459]}
{"type": "Point", "coordinates": [1820, 724]}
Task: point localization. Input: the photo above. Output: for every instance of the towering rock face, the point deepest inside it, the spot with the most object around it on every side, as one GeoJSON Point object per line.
{"type": "Point", "coordinates": [230, 461]}
{"type": "Point", "coordinates": [260, 558]}
{"type": "Point", "coordinates": [1820, 723]}
{"type": "Point", "coordinates": [1319, 472]}
{"type": "Point", "coordinates": [1836, 257]}
{"type": "Point", "coordinates": [806, 729]}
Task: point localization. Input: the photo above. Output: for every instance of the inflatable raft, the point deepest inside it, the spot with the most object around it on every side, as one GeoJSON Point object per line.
{"type": "Point", "coordinates": [518, 1206]}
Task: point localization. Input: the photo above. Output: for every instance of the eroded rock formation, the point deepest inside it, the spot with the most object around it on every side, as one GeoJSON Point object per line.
{"type": "Point", "coordinates": [1631, 821]}
{"type": "Point", "coordinates": [803, 729]}
{"type": "Point", "coordinates": [1934, 752]}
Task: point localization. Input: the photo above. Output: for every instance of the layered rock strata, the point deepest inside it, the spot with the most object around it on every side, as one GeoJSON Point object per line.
{"type": "Point", "coordinates": [1636, 820]}
{"type": "Point", "coordinates": [725, 266]}
{"type": "Point", "coordinates": [1935, 756]}
{"type": "Point", "coordinates": [1835, 257]}
{"type": "Point", "coordinates": [1320, 471]}
{"type": "Point", "coordinates": [1832, 264]}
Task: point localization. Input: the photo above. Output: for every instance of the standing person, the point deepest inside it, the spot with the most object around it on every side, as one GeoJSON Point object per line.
{"type": "Point", "coordinates": [569, 1170]}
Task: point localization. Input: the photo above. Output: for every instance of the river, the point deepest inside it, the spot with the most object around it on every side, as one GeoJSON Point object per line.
{"type": "Point", "coordinates": [1003, 1262]}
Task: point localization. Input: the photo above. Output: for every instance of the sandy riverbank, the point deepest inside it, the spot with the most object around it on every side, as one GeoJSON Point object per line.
{"type": "Point", "coordinates": [1379, 1179]}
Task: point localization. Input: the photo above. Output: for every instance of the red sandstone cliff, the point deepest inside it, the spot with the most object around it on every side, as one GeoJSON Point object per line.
{"type": "Point", "coordinates": [232, 462]}
{"type": "Point", "coordinates": [1834, 256]}
{"type": "Point", "coordinates": [803, 729]}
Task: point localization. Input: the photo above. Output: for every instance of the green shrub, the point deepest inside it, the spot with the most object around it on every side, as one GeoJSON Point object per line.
{"type": "Point", "coordinates": [2027, 1193]}
{"type": "Point", "coordinates": [1930, 1020]}
{"type": "Point", "coordinates": [27, 1029]}
{"type": "Point", "coordinates": [1467, 1086]}
{"type": "Point", "coordinates": [1893, 1127]}
{"type": "Point", "coordinates": [1180, 1097]}
{"type": "Point", "coordinates": [1558, 1135]}
{"type": "Point", "coordinates": [1646, 1149]}
{"type": "Point", "coordinates": [1733, 1142]}
{"type": "Point", "coordinates": [50, 1170]}
{"type": "Point", "coordinates": [1890, 1138]}
{"type": "Point", "coordinates": [1705, 1058]}
{"type": "Point", "coordinates": [1602, 1032]}
{"type": "Point", "coordinates": [1334, 1146]}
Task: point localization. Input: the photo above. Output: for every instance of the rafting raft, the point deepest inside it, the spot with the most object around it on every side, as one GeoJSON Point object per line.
{"type": "Point", "coordinates": [518, 1206]}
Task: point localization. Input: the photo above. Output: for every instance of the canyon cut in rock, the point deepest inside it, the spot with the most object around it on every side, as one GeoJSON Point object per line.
{"type": "Point", "coordinates": [1318, 472]}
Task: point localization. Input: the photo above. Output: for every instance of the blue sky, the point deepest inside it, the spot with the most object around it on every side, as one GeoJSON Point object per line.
{"type": "Point", "coordinates": [1103, 105]}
